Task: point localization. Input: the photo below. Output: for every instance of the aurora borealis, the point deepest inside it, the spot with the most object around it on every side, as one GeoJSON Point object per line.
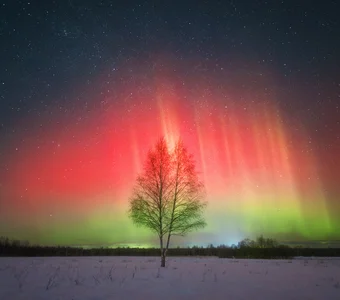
{"type": "Point", "coordinates": [83, 103]}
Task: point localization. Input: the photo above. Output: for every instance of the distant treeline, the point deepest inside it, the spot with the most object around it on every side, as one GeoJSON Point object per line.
{"type": "Point", "coordinates": [264, 248]}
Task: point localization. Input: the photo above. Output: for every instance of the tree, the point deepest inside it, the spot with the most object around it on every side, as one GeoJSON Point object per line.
{"type": "Point", "coordinates": [246, 243]}
{"type": "Point", "coordinates": [168, 197]}
{"type": "Point", "coordinates": [261, 242]}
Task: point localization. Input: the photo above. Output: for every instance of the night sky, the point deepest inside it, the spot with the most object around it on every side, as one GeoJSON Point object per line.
{"type": "Point", "coordinates": [87, 87]}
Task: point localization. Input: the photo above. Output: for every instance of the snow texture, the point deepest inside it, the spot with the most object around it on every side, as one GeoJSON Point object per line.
{"type": "Point", "coordinates": [80, 278]}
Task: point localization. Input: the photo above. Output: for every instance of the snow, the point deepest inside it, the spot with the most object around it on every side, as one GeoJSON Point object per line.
{"type": "Point", "coordinates": [183, 278]}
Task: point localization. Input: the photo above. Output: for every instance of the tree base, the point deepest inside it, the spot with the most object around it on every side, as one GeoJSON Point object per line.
{"type": "Point", "coordinates": [163, 261]}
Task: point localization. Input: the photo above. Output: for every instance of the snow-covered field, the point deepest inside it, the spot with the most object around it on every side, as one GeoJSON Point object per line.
{"type": "Point", "coordinates": [183, 278]}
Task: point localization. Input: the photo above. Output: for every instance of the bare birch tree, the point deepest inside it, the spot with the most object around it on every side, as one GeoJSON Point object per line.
{"type": "Point", "coordinates": [168, 197]}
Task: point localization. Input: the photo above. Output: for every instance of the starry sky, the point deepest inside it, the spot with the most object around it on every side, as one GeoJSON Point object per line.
{"type": "Point", "coordinates": [87, 87]}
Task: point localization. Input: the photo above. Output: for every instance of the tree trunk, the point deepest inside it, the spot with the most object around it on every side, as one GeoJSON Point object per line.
{"type": "Point", "coordinates": [163, 252]}
{"type": "Point", "coordinates": [163, 256]}
{"type": "Point", "coordinates": [163, 260]}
